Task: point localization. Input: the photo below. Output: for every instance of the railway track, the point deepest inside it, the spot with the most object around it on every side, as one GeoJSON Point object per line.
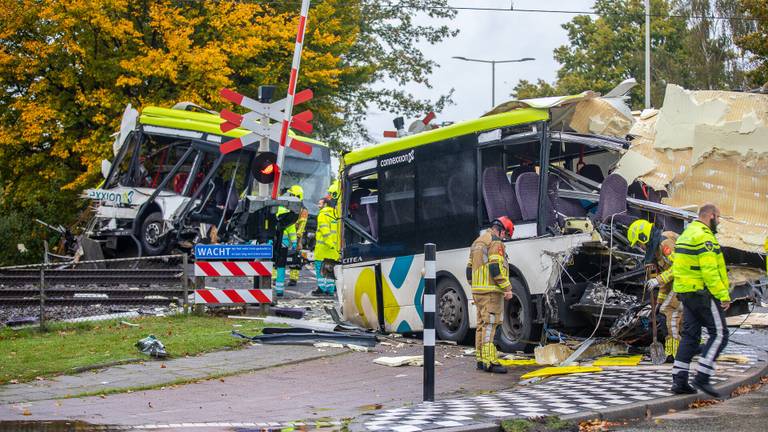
{"type": "Point", "coordinates": [92, 286]}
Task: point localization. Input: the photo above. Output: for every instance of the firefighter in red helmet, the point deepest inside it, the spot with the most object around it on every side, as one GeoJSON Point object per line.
{"type": "Point", "coordinates": [488, 273]}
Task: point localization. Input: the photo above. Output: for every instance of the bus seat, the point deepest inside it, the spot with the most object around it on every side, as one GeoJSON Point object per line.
{"type": "Point", "coordinates": [498, 195]}
{"type": "Point", "coordinates": [527, 191]}
{"type": "Point", "coordinates": [613, 201]}
{"type": "Point", "coordinates": [592, 172]}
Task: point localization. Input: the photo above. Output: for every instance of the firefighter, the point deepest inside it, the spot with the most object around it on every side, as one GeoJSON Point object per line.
{"type": "Point", "coordinates": [488, 273]}
{"type": "Point", "coordinates": [660, 248]}
{"type": "Point", "coordinates": [289, 242]}
{"type": "Point", "coordinates": [298, 192]}
{"type": "Point", "coordinates": [327, 240]}
{"type": "Point", "coordinates": [701, 283]}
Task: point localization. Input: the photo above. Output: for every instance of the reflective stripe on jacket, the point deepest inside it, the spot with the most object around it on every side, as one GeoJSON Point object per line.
{"type": "Point", "coordinates": [486, 250]}
{"type": "Point", "coordinates": [699, 263]}
{"type": "Point", "coordinates": [327, 235]}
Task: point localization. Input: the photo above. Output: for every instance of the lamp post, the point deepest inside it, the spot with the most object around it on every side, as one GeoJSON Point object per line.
{"type": "Point", "coordinates": [493, 71]}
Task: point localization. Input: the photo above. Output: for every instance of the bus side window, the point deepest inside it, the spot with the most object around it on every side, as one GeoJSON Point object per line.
{"type": "Point", "coordinates": [397, 200]}
{"type": "Point", "coordinates": [362, 209]}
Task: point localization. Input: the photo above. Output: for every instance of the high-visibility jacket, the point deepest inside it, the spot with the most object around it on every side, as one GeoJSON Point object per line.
{"type": "Point", "coordinates": [486, 251]}
{"type": "Point", "coordinates": [665, 256]}
{"type": "Point", "coordinates": [289, 233]}
{"type": "Point", "coordinates": [699, 263]}
{"type": "Point", "coordinates": [327, 235]}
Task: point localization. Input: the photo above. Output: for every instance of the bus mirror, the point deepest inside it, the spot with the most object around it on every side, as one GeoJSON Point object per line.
{"type": "Point", "coordinates": [264, 167]}
{"type": "Point", "coordinates": [105, 167]}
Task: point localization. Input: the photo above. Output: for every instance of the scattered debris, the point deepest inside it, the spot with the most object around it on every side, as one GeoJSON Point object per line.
{"type": "Point", "coordinates": [734, 358]}
{"type": "Point", "coordinates": [152, 346]}
{"type": "Point", "coordinates": [416, 360]}
{"type": "Point", "coordinates": [618, 361]}
{"type": "Point", "coordinates": [357, 348]}
{"type": "Point", "coordinates": [754, 320]}
{"type": "Point", "coordinates": [560, 370]}
{"type": "Point", "coordinates": [469, 352]}
{"type": "Point", "coordinates": [296, 323]}
{"type": "Point", "coordinates": [328, 345]}
{"type": "Point", "coordinates": [287, 312]}
{"type": "Point", "coordinates": [305, 337]}
{"type": "Point", "coordinates": [15, 322]}
{"type": "Point", "coordinates": [129, 324]}
{"type": "Point", "coordinates": [552, 354]}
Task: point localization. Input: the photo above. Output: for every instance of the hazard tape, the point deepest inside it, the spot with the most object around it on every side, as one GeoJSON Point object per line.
{"type": "Point", "coordinates": [233, 296]}
{"type": "Point", "coordinates": [233, 268]}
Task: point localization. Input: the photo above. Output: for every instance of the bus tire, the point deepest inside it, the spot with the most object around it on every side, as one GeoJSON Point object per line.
{"type": "Point", "coordinates": [517, 330]}
{"type": "Point", "coordinates": [153, 241]}
{"type": "Point", "coordinates": [452, 317]}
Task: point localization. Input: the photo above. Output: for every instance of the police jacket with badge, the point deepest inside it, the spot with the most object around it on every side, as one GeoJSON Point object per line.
{"type": "Point", "coordinates": [699, 263]}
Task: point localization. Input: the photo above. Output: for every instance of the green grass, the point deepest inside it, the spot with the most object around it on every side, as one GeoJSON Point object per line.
{"type": "Point", "coordinates": [64, 348]}
{"type": "Point", "coordinates": [544, 424]}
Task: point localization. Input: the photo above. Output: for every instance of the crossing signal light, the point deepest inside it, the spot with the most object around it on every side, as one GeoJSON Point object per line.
{"type": "Point", "coordinates": [265, 167]}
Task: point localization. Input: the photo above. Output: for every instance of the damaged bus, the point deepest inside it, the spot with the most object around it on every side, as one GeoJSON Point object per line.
{"type": "Point", "coordinates": [571, 267]}
{"type": "Point", "coordinates": [169, 185]}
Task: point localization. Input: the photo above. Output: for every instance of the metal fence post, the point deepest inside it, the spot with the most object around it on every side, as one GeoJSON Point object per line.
{"type": "Point", "coordinates": [429, 322]}
{"type": "Point", "coordinates": [185, 283]}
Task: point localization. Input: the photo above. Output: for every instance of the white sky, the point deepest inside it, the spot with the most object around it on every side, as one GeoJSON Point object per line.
{"type": "Point", "coordinates": [490, 36]}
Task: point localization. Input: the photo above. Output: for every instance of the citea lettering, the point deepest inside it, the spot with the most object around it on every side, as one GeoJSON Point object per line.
{"type": "Point", "coordinates": [395, 160]}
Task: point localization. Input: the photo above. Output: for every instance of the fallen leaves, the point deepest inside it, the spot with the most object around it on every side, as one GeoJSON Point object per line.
{"type": "Point", "coordinates": [26, 412]}
{"type": "Point", "coordinates": [701, 403]}
{"type": "Point", "coordinates": [598, 425]}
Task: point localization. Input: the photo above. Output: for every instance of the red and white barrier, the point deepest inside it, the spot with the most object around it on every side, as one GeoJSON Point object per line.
{"type": "Point", "coordinates": [232, 296]}
{"type": "Point", "coordinates": [233, 268]}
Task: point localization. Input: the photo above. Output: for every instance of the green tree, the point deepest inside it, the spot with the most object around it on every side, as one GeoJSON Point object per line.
{"type": "Point", "coordinates": [755, 41]}
{"type": "Point", "coordinates": [69, 67]}
{"type": "Point", "coordinates": [687, 48]}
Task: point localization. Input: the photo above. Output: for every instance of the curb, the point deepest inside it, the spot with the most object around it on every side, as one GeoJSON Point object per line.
{"type": "Point", "coordinates": [641, 410]}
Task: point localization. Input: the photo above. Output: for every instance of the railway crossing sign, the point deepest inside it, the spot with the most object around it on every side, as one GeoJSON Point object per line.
{"type": "Point", "coordinates": [232, 252]}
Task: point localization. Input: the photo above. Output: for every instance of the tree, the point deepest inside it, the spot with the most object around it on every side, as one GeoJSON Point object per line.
{"type": "Point", "coordinates": [755, 41]}
{"type": "Point", "coordinates": [69, 67]}
{"type": "Point", "coordinates": [686, 49]}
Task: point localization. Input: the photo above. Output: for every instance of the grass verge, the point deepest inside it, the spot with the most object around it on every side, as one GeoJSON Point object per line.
{"type": "Point", "coordinates": [30, 354]}
{"type": "Point", "coordinates": [542, 424]}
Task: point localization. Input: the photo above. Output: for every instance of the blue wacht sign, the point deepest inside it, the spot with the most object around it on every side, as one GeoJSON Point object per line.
{"type": "Point", "coordinates": [221, 251]}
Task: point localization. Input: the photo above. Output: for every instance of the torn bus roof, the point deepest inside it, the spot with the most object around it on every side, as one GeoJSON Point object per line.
{"type": "Point", "coordinates": [707, 146]}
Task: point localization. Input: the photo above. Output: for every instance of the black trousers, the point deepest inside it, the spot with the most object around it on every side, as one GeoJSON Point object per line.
{"type": "Point", "coordinates": [700, 309]}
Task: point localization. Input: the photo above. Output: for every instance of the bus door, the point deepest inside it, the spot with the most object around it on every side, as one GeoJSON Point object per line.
{"type": "Point", "coordinates": [360, 283]}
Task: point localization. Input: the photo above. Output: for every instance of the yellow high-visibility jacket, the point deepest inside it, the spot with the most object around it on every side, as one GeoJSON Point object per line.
{"type": "Point", "coordinates": [665, 256]}
{"type": "Point", "coordinates": [486, 250]}
{"type": "Point", "coordinates": [699, 263]}
{"type": "Point", "coordinates": [327, 235]}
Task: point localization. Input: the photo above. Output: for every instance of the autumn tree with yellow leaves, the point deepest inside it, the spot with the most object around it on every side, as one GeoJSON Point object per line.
{"type": "Point", "coordinates": [69, 67]}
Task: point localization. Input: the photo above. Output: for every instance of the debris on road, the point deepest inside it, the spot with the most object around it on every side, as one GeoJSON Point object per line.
{"type": "Point", "coordinates": [152, 346]}
{"type": "Point", "coordinates": [734, 358]}
{"type": "Point", "coordinates": [618, 361]}
{"type": "Point", "coordinates": [753, 320]}
{"type": "Point", "coordinates": [560, 370]}
{"type": "Point", "coordinates": [417, 360]}
{"type": "Point", "coordinates": [309, 337]}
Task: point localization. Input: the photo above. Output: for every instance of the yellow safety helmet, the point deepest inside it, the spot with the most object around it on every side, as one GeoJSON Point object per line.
{"type": "Point", "coordinates": [639, 231]}
{"type": "Point", "coordinates": [333, 189]}
{"type": "Point", "coordinates": [296, 191]}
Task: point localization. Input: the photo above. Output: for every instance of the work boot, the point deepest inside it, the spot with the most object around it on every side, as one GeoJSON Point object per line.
{"type": "Point", "coordinates": [701, 382]}
{"type": "Point", "coordinates": [496, 368]}
{"type": "Point", "coordinates": [680, 385]}
{"type": "Point", "coordinates": [292, 282]}
{"type": "Point", "coordinates": [480, 366]}
{"type": "Point", "coordinates": [279, 293]}
{"type": "Point", "coordinates": [318, 293]}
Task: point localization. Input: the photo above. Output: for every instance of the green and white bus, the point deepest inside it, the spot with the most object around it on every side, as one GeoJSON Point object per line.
{"type": "Point", "coordinates": [445, 186]}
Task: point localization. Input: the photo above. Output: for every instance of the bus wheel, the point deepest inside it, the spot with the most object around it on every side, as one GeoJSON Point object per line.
{"type": "Point", "coordinates": [153, 240]}
{"type": "Point", "coordinates": [517, 329]}
{"type": "Point", "coordinates": [452, 321]}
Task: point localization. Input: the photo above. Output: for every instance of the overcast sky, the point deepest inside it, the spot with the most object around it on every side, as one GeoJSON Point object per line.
{"type": "Point", "coordinates": [489, 36]}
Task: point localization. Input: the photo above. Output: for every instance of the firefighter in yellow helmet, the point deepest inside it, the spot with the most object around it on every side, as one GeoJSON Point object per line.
{"type": "Point", "coordinates": [660, 250]}
{"type": "Point", "coordinates": [327, 240]}
{"type": "Point", "coordinates": [488, 273]}
{"type": "Point", "coordinates": [300, 225]}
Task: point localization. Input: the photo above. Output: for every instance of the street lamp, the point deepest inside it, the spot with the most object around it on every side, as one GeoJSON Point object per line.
{"type": "Point", "coordinates": [493, 71]}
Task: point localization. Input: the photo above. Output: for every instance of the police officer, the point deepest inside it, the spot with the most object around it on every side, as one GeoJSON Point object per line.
{"type": "Point", "coordinates": [327, 240]}
{"type": "Point", "coordinates": [488, 273]}
{"type": "Point", "coordinates": [701, 283]}
{"type": "Point", "coordinates": [659, 251]}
